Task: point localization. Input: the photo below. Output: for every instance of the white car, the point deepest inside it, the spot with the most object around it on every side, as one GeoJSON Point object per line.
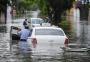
{"type": "Point", "coordinates": [45, 38]}
{"type": "Point", "coordinates": [35, 22]}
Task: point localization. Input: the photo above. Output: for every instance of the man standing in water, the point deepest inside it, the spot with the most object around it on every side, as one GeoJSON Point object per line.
{"type": "Point", "coordinates": [24, 34]}
{"type": "Point", "coordinates": [25, 23]}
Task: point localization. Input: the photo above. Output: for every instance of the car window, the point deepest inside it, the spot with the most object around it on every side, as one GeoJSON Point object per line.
{"type": "Point", "coordinates": [33, 21]}
{"type": "Point", "coordinates": [48, 32]}
{"type": "Point", "coordinates": [37, 21]}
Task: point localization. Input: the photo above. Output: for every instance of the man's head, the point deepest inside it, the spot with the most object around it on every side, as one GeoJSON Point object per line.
{"type": "Point", "coordinates": [25, 19]}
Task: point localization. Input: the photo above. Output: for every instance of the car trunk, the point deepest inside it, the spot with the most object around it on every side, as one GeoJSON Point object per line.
{"type": "Point", "coordinates": [48, 42]}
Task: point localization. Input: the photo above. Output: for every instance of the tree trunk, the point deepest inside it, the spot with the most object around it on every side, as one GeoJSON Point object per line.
{"type": "Point", "coordinates": [5, 14]}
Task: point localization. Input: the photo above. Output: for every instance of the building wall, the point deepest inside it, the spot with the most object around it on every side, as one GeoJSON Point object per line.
{"type": "Point", "coordinates": [74, 17]}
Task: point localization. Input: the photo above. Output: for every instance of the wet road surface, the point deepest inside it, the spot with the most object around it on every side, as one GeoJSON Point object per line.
{"type": "Point", "coordinates": [13, 55]}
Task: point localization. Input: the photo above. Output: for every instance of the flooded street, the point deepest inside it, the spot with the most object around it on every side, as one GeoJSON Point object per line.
{"type": "Point", "coordinates": [73, 16]}
{"type": "Point", "coordinates": [9, 52]}
{"type": "Point", "coordinates": [12, 54]}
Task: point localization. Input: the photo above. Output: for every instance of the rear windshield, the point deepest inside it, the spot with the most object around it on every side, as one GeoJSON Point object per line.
{"type": "Point", "coordinates": [48, 32]}
{"type": "Point", "coordinates": [37, 21]}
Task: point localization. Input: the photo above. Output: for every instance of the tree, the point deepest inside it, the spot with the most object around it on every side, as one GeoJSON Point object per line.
{"type": "Point", "coordinates": [51, 8]}
{"type": "Point", "coordinates": [23, 4]}
{"type": "Point", "coordinates": [54, 8]}
{"type": "Point", "coordinates": [3, 7]}
{"type": "Point", "coordinates": [57, 8]}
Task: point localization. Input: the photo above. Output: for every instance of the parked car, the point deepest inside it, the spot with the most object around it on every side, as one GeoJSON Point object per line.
{"type": "Point", "coordinates": [35, 22]}
{"type": "Point", "coordinates": [44, 37]}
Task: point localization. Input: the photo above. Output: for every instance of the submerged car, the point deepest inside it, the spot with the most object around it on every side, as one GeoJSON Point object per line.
{"type": "Point", "coordinates": [45, 38]}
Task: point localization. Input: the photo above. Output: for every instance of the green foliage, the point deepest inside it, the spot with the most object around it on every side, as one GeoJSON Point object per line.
{"type": "Point", "coordinates": [24, 4]}
{"type": "Point", "coordinates": [51, 8]}
{"type": "Point", "coordinates": [3, 5]}
{"type": "Point", "coordinates": [65, 25]}
{"type": "Point", "coordinates": [57, 7]}
{"type": "Point", "coordinates": [42, 5]}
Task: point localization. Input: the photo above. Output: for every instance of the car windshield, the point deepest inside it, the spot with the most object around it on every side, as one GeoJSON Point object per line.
{"type": "Point", "coordinates": [37, 21]}
{"type": "Point", "coordinates": [48, 32]}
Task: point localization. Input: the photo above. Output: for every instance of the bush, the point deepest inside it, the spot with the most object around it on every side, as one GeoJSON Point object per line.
{"type": "Point", "coordinates": [66, 26]}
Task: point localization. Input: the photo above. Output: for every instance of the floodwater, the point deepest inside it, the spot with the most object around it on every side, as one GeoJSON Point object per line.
{"type": "Point", "coordinates": [12, 54]}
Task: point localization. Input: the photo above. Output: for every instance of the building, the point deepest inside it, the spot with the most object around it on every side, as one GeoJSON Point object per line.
{"type": "Point", "coordinates": [80, 19]}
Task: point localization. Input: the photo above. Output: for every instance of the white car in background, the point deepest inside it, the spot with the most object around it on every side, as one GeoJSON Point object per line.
{"type": "Point", "coordinates": [45, 38]}
{"type": "Point", "coordinates": [35, 22]}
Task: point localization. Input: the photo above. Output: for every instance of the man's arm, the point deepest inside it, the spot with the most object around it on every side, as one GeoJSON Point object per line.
{"type": "Point", "coordinates": [30, 32]}
{"type": "Point", "coordinates": [19, 33]}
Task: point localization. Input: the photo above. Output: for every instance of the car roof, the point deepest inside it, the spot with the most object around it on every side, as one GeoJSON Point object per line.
{"type": "Point", "coordinates": [31, 19]}
{"type": "Point", "coordinates": [35, 18]}
{"type": "Point", "coordinates": [51, 27]}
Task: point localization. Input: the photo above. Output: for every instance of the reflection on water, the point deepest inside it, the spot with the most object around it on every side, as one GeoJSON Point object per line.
{"type": "Point", "coordinates": [77, 57]}
{"type": "Point", "coordinates": [3, 29]}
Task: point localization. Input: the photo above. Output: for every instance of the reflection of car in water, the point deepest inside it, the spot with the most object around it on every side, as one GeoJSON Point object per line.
{"type": "Point", "coordinates": [44, 37]}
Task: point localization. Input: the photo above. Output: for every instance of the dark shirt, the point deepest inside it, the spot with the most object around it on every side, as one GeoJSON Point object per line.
{"type": "Point", "coordinates": [25, 23]}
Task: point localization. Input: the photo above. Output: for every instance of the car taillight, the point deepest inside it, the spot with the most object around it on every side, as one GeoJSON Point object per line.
{"type": "Point", "coordinates": [66, 42]}
{"type": "Point", "coordinates": [34, 42]}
